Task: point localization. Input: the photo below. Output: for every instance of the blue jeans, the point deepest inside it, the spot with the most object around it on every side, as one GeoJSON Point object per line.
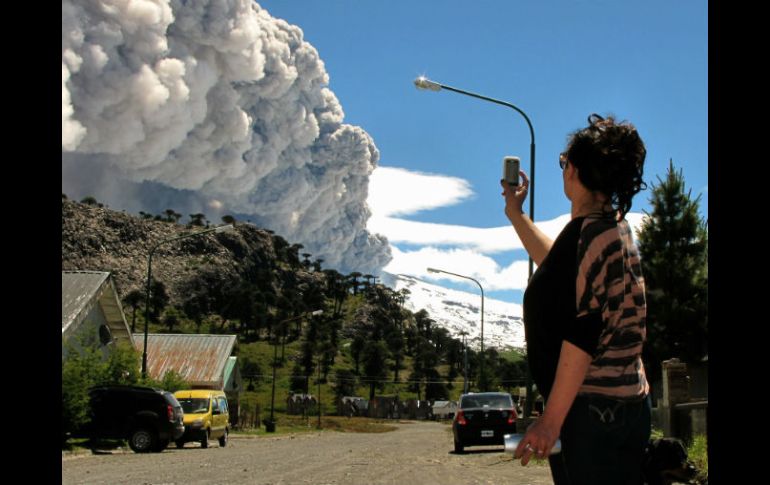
{"type": "Point", "coordinates": [603, 442]}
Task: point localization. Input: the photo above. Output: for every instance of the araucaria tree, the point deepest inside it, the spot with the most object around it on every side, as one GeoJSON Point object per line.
{"type": "Point", "coordinates": [673, 243]}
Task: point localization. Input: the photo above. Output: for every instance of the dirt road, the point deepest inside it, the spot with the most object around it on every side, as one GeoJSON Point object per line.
{"type": "Point", "coordinates": [416, 453]}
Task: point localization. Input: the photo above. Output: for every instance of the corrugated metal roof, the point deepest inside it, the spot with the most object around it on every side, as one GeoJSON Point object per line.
{"type": "Point", "coordinates": [199, 359]}
{"type": "Point", "coordinates": [79, 293]}
{"type": "Point", "coordinates": [84, 290]}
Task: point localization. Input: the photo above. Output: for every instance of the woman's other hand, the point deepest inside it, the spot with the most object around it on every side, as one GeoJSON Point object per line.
{"type": "Point", "coordinates": [538, 441]}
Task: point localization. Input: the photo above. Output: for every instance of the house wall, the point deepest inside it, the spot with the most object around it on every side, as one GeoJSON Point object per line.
{"type": "Point", "coordinates": [87, 332]}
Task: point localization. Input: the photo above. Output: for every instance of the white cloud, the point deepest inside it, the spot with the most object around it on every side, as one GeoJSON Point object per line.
{"type": "Point", "coordinates": [396, 191]}
{"type": "Point", "coordinates": [460, 249]}
{"type": "Point", "coordinates": [461, 261]}
{"type": "Point", "coordinates": [484, 240]}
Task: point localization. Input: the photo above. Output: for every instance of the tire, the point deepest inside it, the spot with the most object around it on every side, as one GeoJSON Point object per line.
{"type": "Point", "coordinates": [459, 448]}
{"type": "Point", "coordinates": [142, 440]}
{"type": "Point", "coordinates": [205, 440]}
{"type": "Point", "coordinates": [223, 439]}
{"type": "Point", "coordinates": [179, 444]}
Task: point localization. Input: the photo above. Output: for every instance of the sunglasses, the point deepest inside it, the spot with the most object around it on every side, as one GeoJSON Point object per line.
{"type": "Point", "coordinates": [563, 160]}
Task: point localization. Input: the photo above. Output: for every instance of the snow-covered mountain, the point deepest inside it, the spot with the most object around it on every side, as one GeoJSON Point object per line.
{"type": "Point", "coordinates": [459, 311]}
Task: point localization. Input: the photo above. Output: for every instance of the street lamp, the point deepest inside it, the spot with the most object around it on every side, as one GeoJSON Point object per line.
{"type": "Point", "coordinates": [270, 428]}
{"type": "Point", "coordinates": [465, 362]}
{"type": "Point", "coordinates": [482, 381]}
{"type": "Point", "coordinates": [228, 227]}
{"type": "Point", "coordinates": [424, 83]}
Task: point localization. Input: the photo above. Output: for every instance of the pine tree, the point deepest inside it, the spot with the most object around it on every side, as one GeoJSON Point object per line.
{"type": "Point", "coordinates": [673, 244]}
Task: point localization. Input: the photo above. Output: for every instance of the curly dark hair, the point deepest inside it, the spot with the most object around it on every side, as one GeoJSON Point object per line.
{"type": "Point", "coordinates": [609, 157]}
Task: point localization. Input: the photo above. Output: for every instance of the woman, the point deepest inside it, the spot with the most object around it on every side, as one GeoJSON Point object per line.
{"type": "Point", "coordinates": [584, 314]}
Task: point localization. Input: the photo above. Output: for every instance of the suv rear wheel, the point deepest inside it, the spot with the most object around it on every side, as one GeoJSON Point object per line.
{"type": "Point", "coordinates": [223, 439]}
{"type": "Point", "coordinates": [142, 440]}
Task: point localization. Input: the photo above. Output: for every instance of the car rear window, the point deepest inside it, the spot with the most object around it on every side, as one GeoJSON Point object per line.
{"type": "Point", "coordinates": [492, 401]}
{"type": "Point", "coordinates": [195, 405]}
{"type": "Point", "coordinates": [171, 399]}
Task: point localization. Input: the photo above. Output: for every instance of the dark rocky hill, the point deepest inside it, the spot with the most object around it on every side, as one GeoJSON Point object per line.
{"type": "Point", "coordinates": [101, 239]}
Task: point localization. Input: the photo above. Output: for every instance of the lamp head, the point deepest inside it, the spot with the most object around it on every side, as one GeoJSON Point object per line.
{"type": "Point", "coordinates": [424, 83]}
{"type": "Point", "coordinates": [317, 312]}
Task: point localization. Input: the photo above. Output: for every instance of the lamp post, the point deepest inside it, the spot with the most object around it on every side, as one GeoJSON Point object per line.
{"type": "Point", "coordinates": [465, 362]}
{"type": "Point", "coordinates": [270, 428]}
{"type": "Point", "coordinates": [423, 83]}
{"type": "Point", "coordinates": [228, 227]}
{"type": "Point", "coordinates": [482, 381]}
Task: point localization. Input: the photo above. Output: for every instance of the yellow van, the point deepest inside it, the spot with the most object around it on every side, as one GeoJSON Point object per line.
{"type": "Point", "coordinates": [206, 416]}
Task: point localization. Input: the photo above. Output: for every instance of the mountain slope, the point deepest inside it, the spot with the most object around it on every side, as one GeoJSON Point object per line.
{"type": "Point", "coordinates": [457, 311]}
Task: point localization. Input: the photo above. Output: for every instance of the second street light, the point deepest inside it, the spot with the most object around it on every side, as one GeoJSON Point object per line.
{"type": "Point", "coordinates": [228, 227]}
{"type": "Point", "coordinates": [482, 381]}
{"type": "Point", "coordinates": [270, 423]}
{"type": "Point", "coordinates": [424, 83]}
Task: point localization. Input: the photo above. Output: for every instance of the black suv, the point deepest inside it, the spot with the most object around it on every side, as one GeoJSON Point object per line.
{"type": "Point", "coordinates": [148, 418]}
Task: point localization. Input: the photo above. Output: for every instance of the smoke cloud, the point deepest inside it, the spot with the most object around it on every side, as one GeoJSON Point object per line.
{"type": "Point", "coordinates": [214, 106]}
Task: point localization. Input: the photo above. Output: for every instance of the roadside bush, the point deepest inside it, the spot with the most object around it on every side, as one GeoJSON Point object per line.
{"type": "Point", "coordinates": [697, 452]}
{"type": "Point", "coordinates": [86, 367]}
{"type": "Point", "coordinates": [172, 381]}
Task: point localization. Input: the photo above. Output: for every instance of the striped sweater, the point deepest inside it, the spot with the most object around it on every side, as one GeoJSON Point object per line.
{"type": "Point", "coordinates": [610, 291]}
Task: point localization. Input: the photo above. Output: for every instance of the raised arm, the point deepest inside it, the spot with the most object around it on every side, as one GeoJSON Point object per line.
{"type": "Point", "coordinates": [535, 241]}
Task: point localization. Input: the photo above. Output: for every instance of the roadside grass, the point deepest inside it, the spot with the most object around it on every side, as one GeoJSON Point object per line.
{"type": "Point", "coordinates": [697, 452]}
{"type": "Point", "coordinates": [79, 445]}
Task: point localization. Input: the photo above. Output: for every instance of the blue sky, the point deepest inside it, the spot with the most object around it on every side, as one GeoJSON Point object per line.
{"type": "Point", "coordinates": [558, 61]}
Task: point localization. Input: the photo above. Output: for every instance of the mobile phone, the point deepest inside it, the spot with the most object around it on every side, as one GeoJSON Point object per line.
{"type": "Point", "coordinates": [511, 170]}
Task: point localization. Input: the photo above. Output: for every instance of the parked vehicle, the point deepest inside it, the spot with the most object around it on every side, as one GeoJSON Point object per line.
{"type": "Point", "coordinates": [483, 418]}
{"type": "Point", "coordinates": [148, 418]}
{"type": "Point", "coordinates": [206, 416]}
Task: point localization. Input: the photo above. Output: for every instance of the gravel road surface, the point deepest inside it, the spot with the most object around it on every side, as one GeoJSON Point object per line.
{"type": "Point", "coordinates": [418, 452]}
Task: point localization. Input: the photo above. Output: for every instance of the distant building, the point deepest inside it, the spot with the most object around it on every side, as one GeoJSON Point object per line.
{"type": "Point", "coordinates": [91, 312]}
{"type": "Point", "coordinates": [201, 360]}
{"type": "Point", "coordinates": [352, 406]}
{"type": "Point", "coordinates": [300, 403]}
{"type": "Point", "coordinates": [233, 388]}
{"type": "Point", "coordinates": [444, 409]}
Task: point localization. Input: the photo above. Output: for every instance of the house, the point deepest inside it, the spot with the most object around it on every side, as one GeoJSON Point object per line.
{"type": "Point", "coordinates": [300, 403]}
{"type": "Point", "coordinates": [444, 409]}
{"type": "Point", "coordinates": [199, 359]}
{"type": "Point", "coordinates": [233, 388]}
{"type": "Point", "coordinates": [414, 409]}
{"type": "Point", "coordinates": [91, 312]}
{"type": "Point", "coordinates": [352, 406]}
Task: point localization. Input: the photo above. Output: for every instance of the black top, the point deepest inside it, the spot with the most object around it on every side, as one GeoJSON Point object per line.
{"type": "Point", "coordinates": [550, 309]}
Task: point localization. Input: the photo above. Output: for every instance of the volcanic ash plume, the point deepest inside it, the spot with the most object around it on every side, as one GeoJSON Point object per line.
{"type": "Point", "coordinates": [220, 108]}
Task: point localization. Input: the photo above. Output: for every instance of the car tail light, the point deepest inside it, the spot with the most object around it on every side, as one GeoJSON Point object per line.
{"type": "Point", "coordinates": [512, 417]}
{"type": "Point", "coordinates": [170, 409]}
{"type": "Point", "coordinates": [461, 418]}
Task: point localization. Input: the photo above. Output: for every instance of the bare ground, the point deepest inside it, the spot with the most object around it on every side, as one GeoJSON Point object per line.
{"type": "Point", "coordinates": [418, 452]}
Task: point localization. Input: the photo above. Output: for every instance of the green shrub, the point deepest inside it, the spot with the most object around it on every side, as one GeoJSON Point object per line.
{"type": "Point", "coordinates": [85, 367]}
{"type": "Point", "coordinates": [697, 452]}
{"type": "Point", "coordinates": [172, 381]}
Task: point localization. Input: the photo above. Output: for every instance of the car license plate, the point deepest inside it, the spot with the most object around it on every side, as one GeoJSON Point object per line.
{"type": "Point", "coordinates": [487, 433]}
